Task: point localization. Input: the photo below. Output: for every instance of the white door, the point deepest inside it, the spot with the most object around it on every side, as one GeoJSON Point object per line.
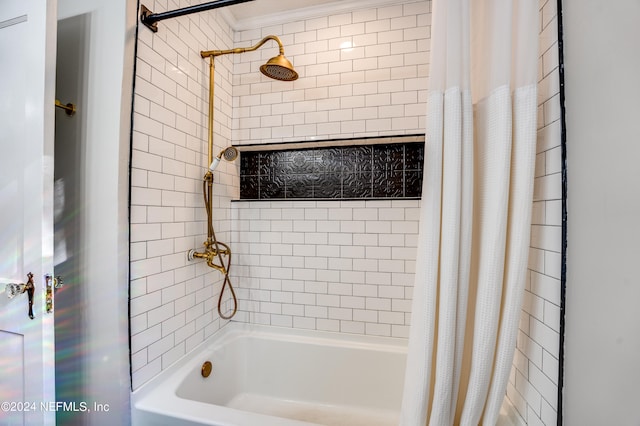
{"type": "Point", "coordinates": [27, 84]}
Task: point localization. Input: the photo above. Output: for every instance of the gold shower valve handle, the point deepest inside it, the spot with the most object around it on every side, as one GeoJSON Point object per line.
{"type": "Point", "coordinates": [209, 254]}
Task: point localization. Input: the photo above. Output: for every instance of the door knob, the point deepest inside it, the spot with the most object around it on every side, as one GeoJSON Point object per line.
{"type": "Point", "coordinates": [13, 289]}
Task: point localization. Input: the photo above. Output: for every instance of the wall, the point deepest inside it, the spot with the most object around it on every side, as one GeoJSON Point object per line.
{"type": "Point", "coordinates": [602, 337]}
{"type": "Point", "coordinates": [533, 384]}
{"type": "Point", "coordinates": [362, 73]}
{"type": "Point", "coordinates": [173, 301]}
{"type": "Point", "coordinates": [334, 265]}
{"type": "Point", "coordinates": [342, 266]}
{"type": "Point", "coordinates": [102, 281]}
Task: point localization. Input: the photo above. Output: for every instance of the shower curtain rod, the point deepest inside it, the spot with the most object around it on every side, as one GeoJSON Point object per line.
{"type": "Point", "coordinates": [150, 19]}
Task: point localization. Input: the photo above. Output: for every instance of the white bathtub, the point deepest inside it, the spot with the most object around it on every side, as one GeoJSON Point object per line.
{"type": "Point", "coordinates": [278, 376]}
{"type": "Point", "coordinates": [270, 376]}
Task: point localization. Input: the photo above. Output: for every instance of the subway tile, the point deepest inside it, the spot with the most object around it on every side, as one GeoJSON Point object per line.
{"type": "Point", "coordinates": [328, 300]}
{"type": "Point", "coordinates": [316, 23]}
{"type": "Point", "coordinates": [146, 338]}
{"type": "Point", "coordinates": [328, 325]}
{"type": "Point", "coordinates": [352, 327]}
{"type": "Point", "coordinates": [352, 277]}
{"type": "Point", "coordinates": [550, 367]}
{"type": "Point", "coordinates": [304, 323]}
{"type": "Point", "coordinates": [553, 163]}
{"type": "Point", "coordinates": [390, 12]}
{"type": "Point", "coordinates": [400, 331]}
{"type": "Point", "coordinates": [353, 53]}
{"type": "Point", "coordinates": [138, 360]}
{"type": "Point", "coordinates": [146, 373]}
{"type": "Point", "coordinates": [315, 311]}
{"type": "Point", "coordinates": [540, 165]}
{"type": "Point", "coordinates": [546, 237]}
{"type": "Point", "coordinates": [293, 309]}
{"type": "Point", "coordinates": [378, 304]}
{"type": "Point", "coordinates": [340, 313]}
{"type": "Point", "coordinates": [378, 26]}
{"type": "Point", "coordinates": [552, 316]}
{"type": "Point", "coordinates": [533, 305]}
{"type": "Point", "coordinates": [529, 393]}
{"type": "Point", "coordinates": [365, 290]}
{"type": "Point", "coordinates": [553, 212]}
{"type": "Point", "coordinates": [388, 291]}
{"type": "Point", "coordinates": [549, 413]}
{"type": "Point", "coordinates": [366, 265]}
{"type": "Point", "coordinates": [531, 349]}
{"type": "Point", "coordinates": [352, 29]}
{"type": "Point", "coordinates": [172, 324]}
{"type": "Point", "coordinates": [377, 329]}
{"type": "Point", "coordinates": [547, 388]}
{"type": "Point", "coordinates": [536, 260]}
{"type": "Point", "coordinates": [281, 320]}
{"type": "Point", "coordinates": [546, 287]}
{"type": "Point", "coordinates": [391, 318]}
{"type": "Point", "coordinates": [364, 15]}
{"type": "Point", "coordinates": [552, 264]}
{"type": "Point", "coordinates": [353, 302]}
{"type": "Point", "coordinates": [538, 213]}
{"type": "Point", "coordinates": [364, 239]}
{"type": "Point", "coordinates": [340, 289]}
{"type": "Point", "coordinates": [173, 355]}
{"type": "Point", "coordinates": [545, 337]}
{"type": "Point", "coordinates": [393, 266]}
{"type": "Point", "coordinates": [365, 316]}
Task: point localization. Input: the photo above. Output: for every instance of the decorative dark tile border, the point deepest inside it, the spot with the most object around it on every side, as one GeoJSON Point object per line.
{"type": "Point", "coordinates": [392, 170]}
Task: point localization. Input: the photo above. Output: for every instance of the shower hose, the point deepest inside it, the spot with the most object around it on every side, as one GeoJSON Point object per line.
{"type": "Point", "coordinates": [206, 192]}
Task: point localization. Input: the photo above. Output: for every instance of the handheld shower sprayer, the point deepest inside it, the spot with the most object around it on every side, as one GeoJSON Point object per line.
{"type": "Point", "coordinates": [229, 153]}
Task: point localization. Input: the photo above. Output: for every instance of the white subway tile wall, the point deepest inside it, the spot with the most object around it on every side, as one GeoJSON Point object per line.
{"type": "Point", "coordinates": [344, 265]}
{"type": "Point", "coordinates": [362, 73]}
{"type": "Point", "coordinates": [533, 384]}
{"type": "Point", "coordinates": [173, 301]}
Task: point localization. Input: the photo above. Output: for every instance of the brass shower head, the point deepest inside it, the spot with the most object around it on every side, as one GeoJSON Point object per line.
{"type": "Point", "coordinates": [279, 68]}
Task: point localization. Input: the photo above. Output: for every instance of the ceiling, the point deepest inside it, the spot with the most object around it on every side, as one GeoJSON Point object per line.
{"type": "Point", "coordinates": [257, 8]}
{"type": "Point", "coordinates": [260, 13]}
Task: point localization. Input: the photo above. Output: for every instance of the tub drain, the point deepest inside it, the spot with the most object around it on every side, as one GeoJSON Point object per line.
{"type": "Point", "coordinates": [206, 369]}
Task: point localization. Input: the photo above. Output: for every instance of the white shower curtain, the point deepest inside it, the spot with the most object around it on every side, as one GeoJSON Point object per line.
{"type": "Point", "coordinates": [476, 211]}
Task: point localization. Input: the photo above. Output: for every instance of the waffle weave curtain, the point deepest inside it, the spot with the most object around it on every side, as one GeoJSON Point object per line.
{"type": "Point", "coordinates": [476, 211]}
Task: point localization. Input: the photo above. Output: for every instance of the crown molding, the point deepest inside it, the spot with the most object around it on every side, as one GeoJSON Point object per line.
{"type": "Point", "coordinates": [335, 7]}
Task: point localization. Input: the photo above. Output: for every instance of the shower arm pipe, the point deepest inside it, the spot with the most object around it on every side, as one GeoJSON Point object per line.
{"type": "Point", "coordinates": [214, 53]}
{"type": "Point", "coordinates": [150, 19]}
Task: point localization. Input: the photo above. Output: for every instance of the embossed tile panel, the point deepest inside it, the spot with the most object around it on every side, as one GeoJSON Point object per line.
{"type": "Point", "coordinates": [392, 170]}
